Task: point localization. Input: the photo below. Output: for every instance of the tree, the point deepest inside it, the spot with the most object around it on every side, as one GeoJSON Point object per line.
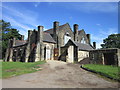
{"type": "Point", "coordinates": [7, 33]}
{"type": "Point", "coordinates": [113, 41]}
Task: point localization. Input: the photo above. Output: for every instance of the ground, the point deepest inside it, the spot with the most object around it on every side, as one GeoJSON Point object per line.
{"type": "Point", "coordinates": [58, 74]}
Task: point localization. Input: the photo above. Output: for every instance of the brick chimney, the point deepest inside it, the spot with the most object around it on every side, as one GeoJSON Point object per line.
{"type": "Point", "coordinates": [29, 34]}
{"type": "Point", "coordinates": [22, 37]}
{"type": "Point", "coordinates": [75, 27]}
{"type": "Point", "coordinates": [40, 33]}
{"type": "Point", "coordinates": [55, 29]}
{"type": "Point", "coordinates": [88, 36]}
{"type": "Point", "coordinates": [94, 45]}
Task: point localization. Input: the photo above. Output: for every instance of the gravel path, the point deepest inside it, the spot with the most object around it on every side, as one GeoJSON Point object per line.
{"type": "Point", "coordinates": [58, 74]}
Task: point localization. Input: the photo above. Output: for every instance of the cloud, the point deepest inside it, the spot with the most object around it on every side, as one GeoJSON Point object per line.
{"type": "Point", "coordinates": [21, 19]}
{"type": "Point", "coordinates": [102, 34]}
{"type": "Point", "coordinates": [26, 15]}
{"type": "Point", "coordinates": [92, 7]}
{"type": "Point", "coordinates": [36, 4]}
{"type": "Point", "coordinates": [98, 24]}
{"type": "Point", "coordinates": [107, 32]}
{"type": "Point", "coordinates": [22, 28]}
{"type": "Point", "coordinates": [13, 21]}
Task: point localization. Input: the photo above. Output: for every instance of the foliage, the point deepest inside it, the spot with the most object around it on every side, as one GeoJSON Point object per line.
{"type": "Point", "coordinates": [113, 41]}
{"type": "Point", "coordinates": [111, 71]}
{"type": "Point", "coordinates": [7, 33]}
{"type": "Point", "coordinates": [10, 69]}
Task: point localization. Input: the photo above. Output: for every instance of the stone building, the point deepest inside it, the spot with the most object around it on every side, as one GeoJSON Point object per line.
{"type": "Point", "coordinates": [60, 43]}
{"type": "Point", "coordinates": [110, 56]}
{"type": "Point", "coordinates": [57, 43]}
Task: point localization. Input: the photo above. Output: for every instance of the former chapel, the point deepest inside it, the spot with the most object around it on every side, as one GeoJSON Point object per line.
{"type": "Point", "coordinates": [57, 43]}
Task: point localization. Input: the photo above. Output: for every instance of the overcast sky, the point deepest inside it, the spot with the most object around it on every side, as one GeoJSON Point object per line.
{"type": "Point", "coordinates": [99, 19]}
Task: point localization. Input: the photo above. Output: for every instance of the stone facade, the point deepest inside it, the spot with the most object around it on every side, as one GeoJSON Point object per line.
{"type": "Point", "coordinates": [79, 51]}
{"type": "Point", "coordinates": [109, 56]}
{"type": "Point", "coordinates": [33, 49]}
{"type": "Point", "coordinates": [52, 44]}
{"type": "Point", "coordinates": [59, 43]}
{"type": "Point", "coordinates": [82, 55]}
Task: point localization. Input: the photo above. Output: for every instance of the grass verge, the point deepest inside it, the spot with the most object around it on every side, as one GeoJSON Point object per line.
{"type": "Point", "coordinates": [10, 69]}
{"type": "Point", "coordinates": [110, 71]}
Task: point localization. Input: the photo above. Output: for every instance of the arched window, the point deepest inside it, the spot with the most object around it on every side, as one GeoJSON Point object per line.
{"type": "Point", "coordinates": [66, 37]}
{"type": "Point", "coordinates": [83, 40]}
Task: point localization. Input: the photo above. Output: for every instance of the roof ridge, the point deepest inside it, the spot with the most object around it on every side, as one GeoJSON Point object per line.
{"type": "Point", "coordinates": [59, 26]}
{"type": "Point", "coordinates": [81, 30]}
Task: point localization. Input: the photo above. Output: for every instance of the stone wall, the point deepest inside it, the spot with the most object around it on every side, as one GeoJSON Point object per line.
{"type": "Point", "coordinates": [70, 56]}
{"type": "Point", "coordinates": [48, 51]}
{"type": "Point", "coordinates": [19, 53]}
{"type": "Point", "coordinates": [96, 57]}
{"type": "Point", "coordinates": [82, 35]}
{"type": "Point", "coordinates": [109, 56]}
{"type": "Point", "coordinates": [62, 32]}
{"type": "Point", "coordinates": [118, 54]}
{"type": "Point", "coordinates": [82, 55]}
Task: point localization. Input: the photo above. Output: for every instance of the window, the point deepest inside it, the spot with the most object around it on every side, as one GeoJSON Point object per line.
{"type": "Point", "coordinates": [83, 40]}
{"type": "Point", "coordinates": [66, 38]}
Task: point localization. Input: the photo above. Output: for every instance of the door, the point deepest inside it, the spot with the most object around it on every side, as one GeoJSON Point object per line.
{"type": "Point", "coordinates": [109, 59]}
{"type": "Point", "coordinates": [56, 53]}
{"type": "Point", "coordinates": [48, 54]}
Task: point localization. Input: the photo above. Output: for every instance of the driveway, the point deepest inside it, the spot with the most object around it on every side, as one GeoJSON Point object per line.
{"type": "Point", "coordinates": [58, 74]}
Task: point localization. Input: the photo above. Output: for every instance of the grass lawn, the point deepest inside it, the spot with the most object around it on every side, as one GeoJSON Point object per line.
{"type": "Point", "coordinates": [10, 69]}
{"type": "Point", "coordinates": [111, 71]}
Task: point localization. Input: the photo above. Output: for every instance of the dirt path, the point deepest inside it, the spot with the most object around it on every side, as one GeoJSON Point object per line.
{"type": "Point", "coordinates": [57, 74]}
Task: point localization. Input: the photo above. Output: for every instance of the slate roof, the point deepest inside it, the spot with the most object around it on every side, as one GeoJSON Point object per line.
{"type": "Point", "coordinates": [48, 38]}
{"type": "Point", "coordinates": [80, 31]}
{"type": "Point", "coordinates": [81, 46]}
{"type": "Point", "coordinates": [51, 30]}
{"type": "Point", "coordinates": [20, 42]}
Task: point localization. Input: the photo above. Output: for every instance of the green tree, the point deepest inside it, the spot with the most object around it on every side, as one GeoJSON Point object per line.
{"type": "Point", "coordinates": [7, 33]}
{"type": "Point", "coordinates": [113, 41]}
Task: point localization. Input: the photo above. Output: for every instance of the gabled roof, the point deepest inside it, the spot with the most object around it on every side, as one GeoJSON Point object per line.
{"type": "Point", "coordinates": [48, 38]}
{"type": "Point", "coordinates": [80, 31]}
{"type": "Point", "coordinates": [51, 30]}
{"type": "Point", "coordinates": [80, 46]}
{"type": "Point", "coordinates": [20, 42]}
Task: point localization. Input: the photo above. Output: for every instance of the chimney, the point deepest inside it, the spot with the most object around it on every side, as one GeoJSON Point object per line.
{"type": "Point", "coordinates": [75, 32]}
{"type": "Point", "coordinates": [55, 29]}
{"type": "Point", "coordinates": [14, 39]}
{"type": "Point", "coordinates": [29, 35]}
{"type": "Point", "coordinates": [94, 45]}
{"type": "Point", "coordinates": [12, 42]}
{"type": "Point", "coordinates": [88, 36]}
{"type": "Point", "coordinates": [40, 33]}
{"type": "Point", "coordinates": [55, 26]}
{"type": "Point", "coordinates": [22, 37]}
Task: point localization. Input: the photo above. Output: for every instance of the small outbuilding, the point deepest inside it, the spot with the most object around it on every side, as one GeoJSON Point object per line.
{"type": "Point", "coordinates": [75, 52]}
{"type": "Point", "coordinates": [110, 56]}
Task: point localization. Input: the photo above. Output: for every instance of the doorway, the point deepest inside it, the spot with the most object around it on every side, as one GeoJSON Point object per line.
{"type": "Point", "coordinates": [109, 59]}
{"type": "Point", "coordinates": [56, 53]}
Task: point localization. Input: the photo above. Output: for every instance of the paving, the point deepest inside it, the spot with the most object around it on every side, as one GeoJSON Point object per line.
{"type": "Point", "coordinates": [58, 74]}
